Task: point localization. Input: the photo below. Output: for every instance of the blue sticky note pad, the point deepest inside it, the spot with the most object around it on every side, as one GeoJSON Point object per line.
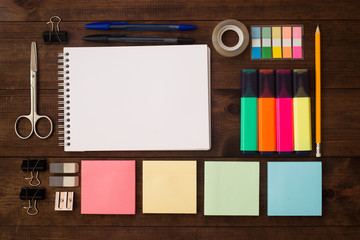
{"type": "Point", "coordinates": [255, 43]}
{"type": "Point", "coordinates": [294, 189]}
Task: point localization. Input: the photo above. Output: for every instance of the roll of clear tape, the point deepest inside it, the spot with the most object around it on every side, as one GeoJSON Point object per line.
{"type": "Point", "coordinates": [230, 25]}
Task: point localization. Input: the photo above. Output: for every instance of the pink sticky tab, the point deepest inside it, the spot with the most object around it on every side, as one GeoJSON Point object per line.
{"type": "Point", "coordinates": [297, 52]}
{"type": "Point", "coordinates": [107, 187]}
{"type": "Point", "coordinates": [297, 32]}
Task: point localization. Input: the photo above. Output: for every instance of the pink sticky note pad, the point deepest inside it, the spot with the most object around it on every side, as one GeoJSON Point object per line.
{"type": "Point", "coordinates": [107, 187]}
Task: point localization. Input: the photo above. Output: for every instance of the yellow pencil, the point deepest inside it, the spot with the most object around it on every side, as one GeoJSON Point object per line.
{"type": "Point", "coordinates": [318, 91]}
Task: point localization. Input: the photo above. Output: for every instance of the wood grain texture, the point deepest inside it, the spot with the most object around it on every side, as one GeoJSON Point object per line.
{"type": "Point", "coordinates": [23, 21]}
{"type": "Point", "coordinates": [39, 10]}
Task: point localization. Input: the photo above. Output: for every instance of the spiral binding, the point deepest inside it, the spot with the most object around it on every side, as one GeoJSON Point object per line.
{"type": "Point", "coordinates": [64, 99]}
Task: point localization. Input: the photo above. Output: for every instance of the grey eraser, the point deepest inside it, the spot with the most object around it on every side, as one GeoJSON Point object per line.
{"type": "Point", "coordinates": [63, 181]}
{"type": "Point", "coordinates": [64, 167]}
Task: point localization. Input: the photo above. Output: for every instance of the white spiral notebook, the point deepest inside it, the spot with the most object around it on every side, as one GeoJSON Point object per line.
{"type": "Point", "coordinates": [135, 98]}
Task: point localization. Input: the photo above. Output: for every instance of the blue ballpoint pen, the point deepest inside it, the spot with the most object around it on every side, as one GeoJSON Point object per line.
{"type": "Point", "coordinates": [149, 27]}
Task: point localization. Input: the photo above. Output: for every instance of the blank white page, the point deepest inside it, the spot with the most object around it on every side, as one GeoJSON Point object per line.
{"type": "Point", "coordinates": [137, 98]}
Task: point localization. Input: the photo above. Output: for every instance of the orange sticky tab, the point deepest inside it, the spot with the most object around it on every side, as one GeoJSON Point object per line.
{"type": "Point", "coordinates": [287, 52]}
{"type": "Point", "coordinates": [286, 32]}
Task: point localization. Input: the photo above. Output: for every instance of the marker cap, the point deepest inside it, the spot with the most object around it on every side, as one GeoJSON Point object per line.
{"type": "Point", "coordinates": [249, 83]}
{"type": "Point", "coordinates": [283, 84]}
{"type": "Point", "coordinates": [266, 84]}
{"type": "Point", "coordinates": [301, 83]}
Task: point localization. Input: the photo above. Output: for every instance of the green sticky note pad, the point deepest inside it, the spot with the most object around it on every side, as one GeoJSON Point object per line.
{"type": "Point", "coordinates": [231, 188]}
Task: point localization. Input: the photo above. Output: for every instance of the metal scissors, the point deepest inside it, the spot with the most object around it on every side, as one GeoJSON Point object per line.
{"type": "Point", "coordinates": [33, 117]}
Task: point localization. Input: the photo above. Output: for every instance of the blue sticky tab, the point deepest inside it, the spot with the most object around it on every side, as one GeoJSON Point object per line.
{"type": "Point", "coordinates": [294, 189]}
{"type": "Point", "coordinates": [255, 32]}
{"type": "Point", "coordinates": [256, 52]}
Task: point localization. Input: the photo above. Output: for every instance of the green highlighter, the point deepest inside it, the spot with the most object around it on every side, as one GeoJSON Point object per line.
{"type": "Point", "coordinates": [249, 111]}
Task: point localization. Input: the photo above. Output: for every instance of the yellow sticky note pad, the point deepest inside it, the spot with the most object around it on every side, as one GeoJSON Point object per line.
{"type": "Point", "coordinates": [169, 187]}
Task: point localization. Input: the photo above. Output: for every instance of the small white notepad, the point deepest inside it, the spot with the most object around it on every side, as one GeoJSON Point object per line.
{"type": "Point", "coordinates": [136, 98]}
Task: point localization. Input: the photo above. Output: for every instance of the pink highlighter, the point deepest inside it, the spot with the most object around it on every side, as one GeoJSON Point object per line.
{"type": "Point", "coordinates": [284, 113]}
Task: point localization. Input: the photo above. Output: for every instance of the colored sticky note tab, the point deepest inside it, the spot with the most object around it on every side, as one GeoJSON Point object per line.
{"type": "Point", "coordinates": [297, 32]}
{"type": "Point", "coordinates": [256, 43]}
{"type": "Point", "coordinates": [294, 189]}
{"type": "Point", "coordinates": [276, 42]}
{"type": "Point", "coordinates": [297, 43]}
{"type": "Point", "coordinates": [231, 188]}
{"type": "Point", "coordinates": [107, 187]}
{"type": "Point", "coordinates": [266, 42]}
{"type": "Point", "coordinates": [255, 32]}
{"type": "Point", "coordinates": [169, 187]}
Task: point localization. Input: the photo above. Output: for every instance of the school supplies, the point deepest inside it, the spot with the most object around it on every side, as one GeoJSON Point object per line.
{"type": "Point", "coordinates": [230, 25]}
{"type": "Point", "coordinates": [31, 196]}
{"type": "Point", "coordinates": [149, 27]}
{"type": "Point", "coordinates": [318, 91]}
{"type": "Point", "coordinates": [276, 42]}
{"type": "Point", "coordinates": [121, 38]}
{"type": "Point", "coordinates": [231, 188]}
{"type": "Point", "coordinates": [63, 181]}
{"type": "Point", "coordinates": [302, 112]}
{"type": "Point", "coordinates": [64, 167]}
{"type": "Point", "coordinates": [33, 167]}
{"type": "Point", "coordinates": [54, 35]}
{"type": "Point", "coordinates": [107, 187]}
{"type": "Point", "coordinates": [135, 98]}
{"type": "Point", "coordinates": [284, 112]}
{"type": "Point", "coordinates": [33, 117]}
{"type": "Point", "coordinates": [169, 187]}
{"type": "Point", "coordinates": [294, 189]}
{"type": "Point", "coordinates": [249, 103]}
{"type": "Point", "coordinates": [64, 201]}
{"type": "Point", "coordinates": [267, 112]}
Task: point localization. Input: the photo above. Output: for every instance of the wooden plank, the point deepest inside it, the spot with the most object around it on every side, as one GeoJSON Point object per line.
{"type": "Point", "coordinates": [126, 10]}
{"type": "Point", "coordinates": [340, 127]}
{"type": "Point", "coordinates": [341, 192]}
{"type": "Point", "coordinates": [179, 233]}
{"type": "Point", "coordinates": [339, 61]}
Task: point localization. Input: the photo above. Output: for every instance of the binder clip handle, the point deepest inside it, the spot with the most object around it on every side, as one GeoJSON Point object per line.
{"type": "Point", "coordinates": [33, 166]}
{"type": "Point", "coordinates": [30, 196]}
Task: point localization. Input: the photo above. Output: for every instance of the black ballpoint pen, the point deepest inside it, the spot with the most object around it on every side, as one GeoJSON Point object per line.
{"type": "Point", "coordinates": [120, 38]}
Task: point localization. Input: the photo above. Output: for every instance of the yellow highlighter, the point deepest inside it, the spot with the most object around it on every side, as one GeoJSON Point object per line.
{"type": "Point", "coordinates": [302, 112]}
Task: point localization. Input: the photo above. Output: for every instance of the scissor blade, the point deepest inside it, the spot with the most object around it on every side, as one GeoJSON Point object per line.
{"type": "Point", "coordinates": [33, 57]}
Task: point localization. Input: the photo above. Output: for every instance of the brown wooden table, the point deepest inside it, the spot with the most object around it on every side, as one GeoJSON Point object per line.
{"type": "Point", "coordinates": [24, 21]}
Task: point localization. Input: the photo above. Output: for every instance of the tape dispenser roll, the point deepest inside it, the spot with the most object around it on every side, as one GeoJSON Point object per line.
{"type": "Point", "coordinates": [230, 25]}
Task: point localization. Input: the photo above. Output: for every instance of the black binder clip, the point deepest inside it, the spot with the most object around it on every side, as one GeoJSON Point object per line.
{"type": "Point", "coordinates": [33, 166]}
{"type": "Point", "coordinates": [54, 35]}
{"type": "Point", "coordinates": [30, 196]}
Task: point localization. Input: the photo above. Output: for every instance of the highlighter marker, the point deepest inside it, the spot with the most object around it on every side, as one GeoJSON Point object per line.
{"type": "Point", "coordinates": [266, 111]}
{"type": "Point", "coordinates": [284, 113]}
{"type": "Point", "coordinates": [248, 131]}
{"type": "Point", "coordinates": [302, 112]}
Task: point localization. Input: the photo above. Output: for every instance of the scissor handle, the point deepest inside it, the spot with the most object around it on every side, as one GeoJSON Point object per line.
{"type": "Point", "coordinates": [29, 117]}
{"type": "Point", "coordinates": [36, 118]}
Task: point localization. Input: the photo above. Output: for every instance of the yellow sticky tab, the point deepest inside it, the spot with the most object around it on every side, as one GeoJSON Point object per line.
{"type": "Point", "coordinates": [276, 52]}
{"type": "Point", "coordinates": [276, 32]}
